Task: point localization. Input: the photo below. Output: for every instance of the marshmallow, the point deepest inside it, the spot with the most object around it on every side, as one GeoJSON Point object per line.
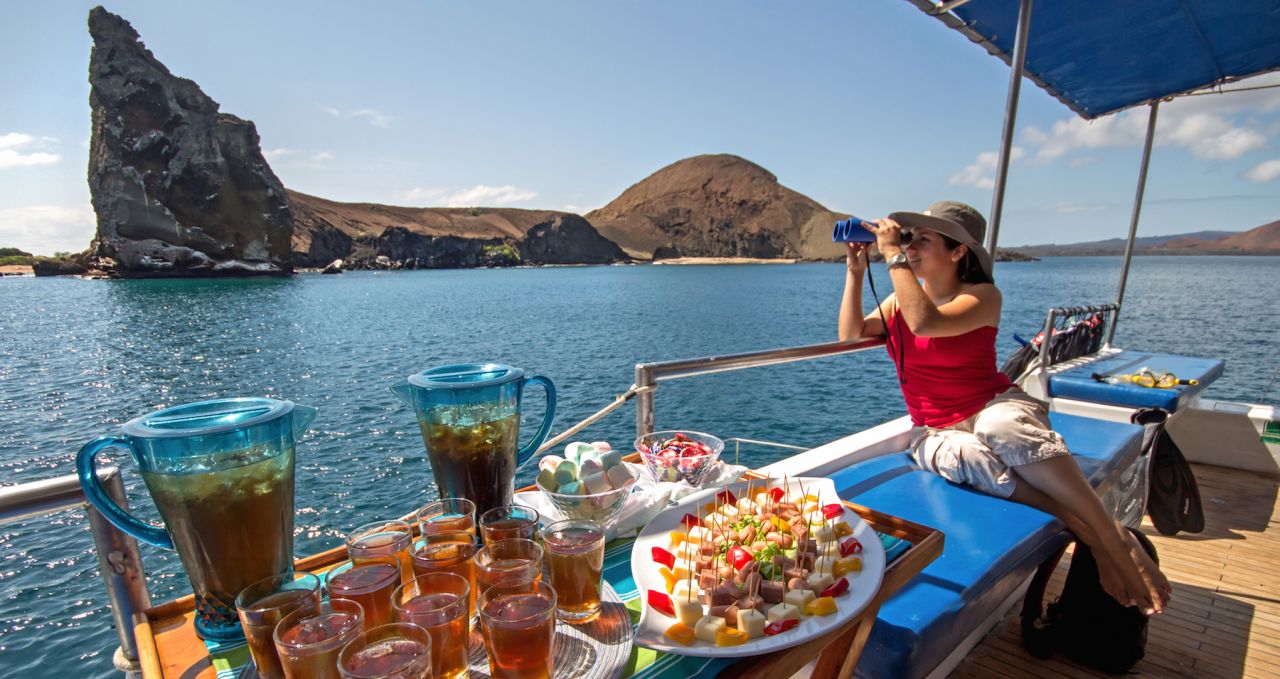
{"type": "Point", "coordinates": [602, 446]}
{"type": "Point", "coordinates": [547, 479]}
{"type": "Point", "coordinates": [589, 466]}
{"type": "Point", "coordinates": [566, 472]}
{"type": "Point", "coordinates": [572, 488]}
{"type": "Point", "coordinates": [618, 476]}
{"type": "Point", "coordinates": [595, 483]}
{"type": "Point", "coordinates": [550, 462]}
{"type": "Point", "coordinates": [573, 451]}
{"type": "Point", "coordinates": [610, 459]}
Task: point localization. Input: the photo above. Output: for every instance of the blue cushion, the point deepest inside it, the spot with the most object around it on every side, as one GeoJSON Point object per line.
{"type": "Point", "coordinates": [991, 545]}
{"type": "Point", "coordinates": [1078, 383]}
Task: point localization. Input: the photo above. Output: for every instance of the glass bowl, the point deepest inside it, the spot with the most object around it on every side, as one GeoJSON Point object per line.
{"type": "Point", "coordinates": [672, 466]}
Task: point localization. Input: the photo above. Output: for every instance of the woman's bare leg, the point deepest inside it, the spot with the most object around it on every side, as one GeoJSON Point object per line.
{"type": "Point", "coordinates": [1060, 479]}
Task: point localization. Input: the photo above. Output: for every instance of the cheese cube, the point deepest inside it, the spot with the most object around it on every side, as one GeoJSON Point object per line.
{"type": "Point", "coordinates": [824, 534]}
{"type": "Point", "coordinates": [746, 505]}
{"type": "Point", "coordinates": [819, 581]}
{"type": "Point", "coordinates": [729, 511]}
{"type": "Point", "coordinates": [686, 550]}
{"type": "Point", "coordinates": [761, 498]}
{"type": "Point", "coordinates": [689, 612]}
{"type": "Point", "coordinates": [798, 598]}
{"type": "Point", "coordinates": [698, 534]}
{"type": "Point", "coordinates": [831, 549]}
{"type": "Point", "coordinates": [708, 627]}
{"type": "Point", "coordinates": [823, 564]}
{"type": "Point", "coordinates": [751, 622]}
{"type": "Point", "coordinates": [682, 569]}
{"type": "Point", "coordinates": [684, 590]}
{"type": "Point", "coordinates": [783, 611]}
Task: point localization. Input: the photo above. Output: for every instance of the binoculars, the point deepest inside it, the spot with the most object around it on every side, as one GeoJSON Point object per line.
{"type": "Point", "coordinates": [854, 230]}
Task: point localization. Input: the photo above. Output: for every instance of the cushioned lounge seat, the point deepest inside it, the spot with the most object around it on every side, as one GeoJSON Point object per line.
{"type": "Point", "coordinates": [1077, 383]}
{"type": "Point", "coordinates": [991, 545]}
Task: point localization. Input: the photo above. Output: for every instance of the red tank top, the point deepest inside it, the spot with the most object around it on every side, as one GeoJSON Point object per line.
{"type": "Point", "coordinates": [945, 379]}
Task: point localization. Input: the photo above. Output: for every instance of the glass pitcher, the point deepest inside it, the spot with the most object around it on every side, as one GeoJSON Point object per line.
{"type": "Point", "coordinates": [470, 420]}
{"type": "Point", "coordinates": [221, 474]}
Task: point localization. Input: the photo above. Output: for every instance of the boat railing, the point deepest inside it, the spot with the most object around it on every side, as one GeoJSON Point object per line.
{"type": "Point", "coordinates": [1056, 346]}
{"type": "Point", "coordinates": [118, 557]}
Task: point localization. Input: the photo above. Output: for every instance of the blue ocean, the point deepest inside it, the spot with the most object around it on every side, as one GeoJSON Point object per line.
{"type": "Point", "coordinates": [78, 358]}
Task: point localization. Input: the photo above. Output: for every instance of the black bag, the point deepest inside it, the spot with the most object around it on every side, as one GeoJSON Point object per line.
{"type": "Point", "coordinates": [1173, 498]}
{"type": "Point", "coordinates": [1085, 624]}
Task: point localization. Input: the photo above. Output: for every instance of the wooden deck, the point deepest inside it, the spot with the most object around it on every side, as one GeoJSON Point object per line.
{"type": "Point", "coordinates": [1224, 619]}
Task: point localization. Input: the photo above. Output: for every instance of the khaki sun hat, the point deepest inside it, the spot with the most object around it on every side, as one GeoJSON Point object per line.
{"type": "Point", "coordinates": [957, 221]}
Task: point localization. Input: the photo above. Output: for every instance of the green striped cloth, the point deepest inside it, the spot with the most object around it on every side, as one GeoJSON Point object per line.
{"type": "Point", "coordinates": [650, 664]}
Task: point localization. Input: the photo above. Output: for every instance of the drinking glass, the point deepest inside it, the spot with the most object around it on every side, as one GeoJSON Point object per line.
{"type": "Point", "coordinates": [575, 559]}
{"type": "Point", "coordinates": [519, 629]}
{"type": "Point", "coordinates": [448, 553]}
{"type": "Point", "coordinates": [447, 515]}
{"type": "Point", "coordinates": [308, 640]}
{"type": "Point", "coordinates": [368, 583]}
{"type": "Point", "coordinates": [439, 603]}
{"type": "Point", "coordinates": [396, 650]}
{"type": "Point", "coordinates": [263, 604]}
{"type": "Point", "coordinates": [509, 521]}
{"type": "Point", "coordinates": [383, 538]}
{"type": "Point", "coordinates": [508, 561]}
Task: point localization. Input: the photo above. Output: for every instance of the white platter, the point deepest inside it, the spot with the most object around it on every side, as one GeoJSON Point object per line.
{"type": "Point", "coordinates": [862, 586]}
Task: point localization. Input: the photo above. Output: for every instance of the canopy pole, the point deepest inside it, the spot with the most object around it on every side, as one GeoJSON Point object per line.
{"type": "Point", "coordinates": [1133, 220]}
{"type": "Point", "coordinates": [1010, 117]}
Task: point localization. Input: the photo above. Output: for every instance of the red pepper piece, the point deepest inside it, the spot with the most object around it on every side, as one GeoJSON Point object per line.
{"type": "Point", "coordinates": [661, 603]}
{"type": "Point", "coordinates": [739, 557]}
{"type": "Point", "coordinates": [780, 626]}
{"type": "Point", "coordinates": [836, 588]}
{"type": "Point", "coordinates": [689, 521]}
{"type": "Point", "coordinates": [726, 497]}
{"type": "Point", "coordinates": [832, 511]}
{"type": "Point", "coordinates": [664, 557]}
{"type": "Point", "coordinates": [849, 546]}
{"type": "Point", "coordinates": [777, 494]}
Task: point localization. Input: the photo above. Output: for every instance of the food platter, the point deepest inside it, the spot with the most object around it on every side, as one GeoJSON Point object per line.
{"type": "Point", "coordinates": [648, 575]}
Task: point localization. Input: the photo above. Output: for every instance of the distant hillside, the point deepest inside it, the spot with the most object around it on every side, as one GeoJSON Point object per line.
{"type": "Point", "coordinates": [1263, 240]}
{"type": "Point", "coordinates": [716, 206]}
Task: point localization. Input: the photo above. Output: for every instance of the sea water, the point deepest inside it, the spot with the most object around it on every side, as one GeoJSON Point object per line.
{"type": "Point", "coordinates": [78, 358]}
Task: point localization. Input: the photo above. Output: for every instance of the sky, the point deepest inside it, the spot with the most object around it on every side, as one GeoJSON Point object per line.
{"type": "Point", "coordinates": [867, 107]}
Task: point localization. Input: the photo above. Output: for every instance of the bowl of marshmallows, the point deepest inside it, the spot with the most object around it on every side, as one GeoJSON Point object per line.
{"type": "Point", "coordinates": [590, 482]}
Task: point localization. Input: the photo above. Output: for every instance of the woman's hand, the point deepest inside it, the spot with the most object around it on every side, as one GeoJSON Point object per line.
{"type": "Point", "coordinates": [856, 257]}
{"type": "Point", "coordinates": [888, 237]}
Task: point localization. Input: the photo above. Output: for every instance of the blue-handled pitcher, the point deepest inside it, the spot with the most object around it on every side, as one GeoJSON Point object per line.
{"type": "Point", "coordinates": [470, 419]}
{"type": "Point", "coordinates": [221, 474]}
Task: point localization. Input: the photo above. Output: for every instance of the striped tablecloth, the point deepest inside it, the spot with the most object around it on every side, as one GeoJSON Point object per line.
{"type": "Point", "coordinates": [229, 660]}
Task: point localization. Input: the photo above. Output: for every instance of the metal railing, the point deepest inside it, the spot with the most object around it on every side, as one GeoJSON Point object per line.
{"type": "Point", "coordinates": [118, 557]}
{"type": "Point", "coordinates": [648, 375]}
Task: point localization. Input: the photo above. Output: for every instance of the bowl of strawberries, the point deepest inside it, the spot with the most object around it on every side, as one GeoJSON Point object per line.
{"type": "Point", "coordinates": [674, 456]}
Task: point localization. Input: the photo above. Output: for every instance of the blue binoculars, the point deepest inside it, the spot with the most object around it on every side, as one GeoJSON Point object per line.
{"type": "Point", "coordinates": [852, 230]}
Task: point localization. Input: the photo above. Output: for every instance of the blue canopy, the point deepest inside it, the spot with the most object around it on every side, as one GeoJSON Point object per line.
{"type": "Point", "coordinates": [1101, 56]}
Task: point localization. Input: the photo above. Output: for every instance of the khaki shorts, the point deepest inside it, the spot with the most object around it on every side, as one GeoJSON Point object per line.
{"type": "Point", "coordinates": [1012, 430]}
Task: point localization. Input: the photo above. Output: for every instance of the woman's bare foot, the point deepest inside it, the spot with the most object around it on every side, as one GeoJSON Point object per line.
{"type": "Point", "coordinates": [1157, 584]}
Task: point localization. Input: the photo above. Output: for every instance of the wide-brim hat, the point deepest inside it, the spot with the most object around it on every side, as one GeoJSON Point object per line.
{"type": "Point", "coordinates": [957, 221]}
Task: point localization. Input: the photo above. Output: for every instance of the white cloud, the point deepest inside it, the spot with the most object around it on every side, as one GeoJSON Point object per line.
{"type": "Point", "coordinates": [1267, 170]}
{"type": "Point", "coordinates": [372, 115]}
{"type": "Point", "coordinates": [981, 172]}
{"type": "Point", "coordinates": [322, 156]}
{"type": "Point", "coordinates": [46, 229]}
{"type": "Point", "coordinates": [12, 153]}
{"type": "Point", "coordinates": [479, 195]}
{"type": "Point", "coordinates": [273, 154]}
{"type": "Point", "coordinates": [579, 209]}
{"type": "Point", "coordinates": [1072, 208]}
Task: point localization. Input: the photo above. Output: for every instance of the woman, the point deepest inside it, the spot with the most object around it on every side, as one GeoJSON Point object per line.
{"type": "Point", "coordinates": [977, 428]}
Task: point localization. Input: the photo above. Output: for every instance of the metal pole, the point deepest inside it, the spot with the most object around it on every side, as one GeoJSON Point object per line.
{"type": "Point", "coordinates": [1010, 117]}
{"type": "Point", "coordinates": [122, 573]}
{"type": "Point", "coordinates": [1133, 220]}
{"type": "Point", "coordinates": [644, 400]}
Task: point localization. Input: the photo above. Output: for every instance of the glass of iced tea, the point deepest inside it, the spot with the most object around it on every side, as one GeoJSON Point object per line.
{"type": "Point", "coordinates": [397, 650]}
{"type": "Point", "coordinates": [308, 640]}
{"type": "Point", "coordinates": [447, 515]}
{"type": "Point", "coordinates": [438, 603]}
{"type": "Point", "coordinates": [509, 521]}
{"type": "Point", "coordinates": [575, 559]}
{"type": "Point", "coordinates": [368, 583]}
{"type": "Point", "coordinates": [519, 629]}
{"type": "Point", "coordinates": [263, 604]}
{"type": "Point", "coordinates": [383, 538]}
{"type": "Point", "coordinates": [508, 561]}
{"type": "Point", "coordinates": [448, 553]}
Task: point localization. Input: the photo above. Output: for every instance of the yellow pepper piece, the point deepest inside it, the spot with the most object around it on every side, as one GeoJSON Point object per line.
{"type": "Point", "coordinates": [680, 633]}
{"type": "Point", "coordinates": [842, 529]}
{"type": "Point", "coordinates": [781, 523]}
{"type": "Point", "coordinates": [823, 605]}
{"type": "Point", "coordinates": [811, 498]}
{"type": "Point", "coordinates": [678, 537]}
{"type": "Point", "coordinates": [730, 636]}
{"type": "Point", "coordinates": [710, 508]}
{"type": "Point", "coordinates": [670, 577]}
{"type": "Point", "coordinates": [842, 567]}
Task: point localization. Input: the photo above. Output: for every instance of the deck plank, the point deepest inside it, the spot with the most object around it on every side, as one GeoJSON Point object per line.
{"type": "Point", "coordinates": [1224, 619]}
